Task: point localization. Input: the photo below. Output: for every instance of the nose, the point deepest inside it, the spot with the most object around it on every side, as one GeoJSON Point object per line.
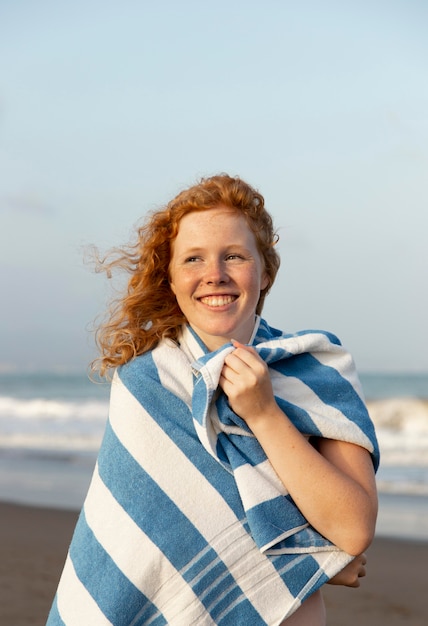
{"type": "Point", "coordinates": [215, 273]}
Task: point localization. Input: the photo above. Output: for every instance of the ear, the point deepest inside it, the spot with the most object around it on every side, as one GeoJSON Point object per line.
{"type": "Point", "coordinates": [264, 282]}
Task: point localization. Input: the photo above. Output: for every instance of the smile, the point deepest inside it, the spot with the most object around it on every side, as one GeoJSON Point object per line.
{"type": "Point", "coordinates": [218, 300]}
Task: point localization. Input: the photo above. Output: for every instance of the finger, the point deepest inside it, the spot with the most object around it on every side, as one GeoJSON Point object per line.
{"type": "Point", "coordinates": [235, 363]}
{"type": "Point", "coordinates": [238, 344]}
{"type": "Point", "coordinates": [228, 375]}
{"type": "Point", "coordinates": [243, 362]}
{"type": "Point", "coordinates": [243, 349]}
{"type": "Point", "coordinates": [249, 356]}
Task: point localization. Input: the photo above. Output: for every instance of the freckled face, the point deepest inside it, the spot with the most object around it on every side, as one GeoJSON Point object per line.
{"type": "Point", "coordinates": [217, 273]}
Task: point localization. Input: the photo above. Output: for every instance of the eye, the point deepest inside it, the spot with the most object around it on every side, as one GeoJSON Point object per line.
{"type": "Point", "coordinates": [192, 259]}
{"type": "Point", "coordinates": [234, 256]}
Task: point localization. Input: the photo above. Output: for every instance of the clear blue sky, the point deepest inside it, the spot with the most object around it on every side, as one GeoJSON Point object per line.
{"type": "Point", "coordinates": [108, 109]}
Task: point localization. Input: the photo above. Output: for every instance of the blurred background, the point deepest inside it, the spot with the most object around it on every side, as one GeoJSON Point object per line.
{"type": "Point", "coordinates": [109, 109]}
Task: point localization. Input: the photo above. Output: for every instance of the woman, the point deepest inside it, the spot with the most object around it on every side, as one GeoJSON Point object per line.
{"type": "Point", "coordinates": [236, 475]}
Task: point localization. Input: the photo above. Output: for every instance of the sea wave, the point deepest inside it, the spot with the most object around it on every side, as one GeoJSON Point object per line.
{"type": "Point", "coordinates": [51, 423]}
{"type": "Point", "coordinates": [46, 409]}
{"type": "Point", "coordinates": [400, 414]}
{"type": "Point", "coordinates": [394, 414]}
{"type": "Point", "coordinates": [402, 429]}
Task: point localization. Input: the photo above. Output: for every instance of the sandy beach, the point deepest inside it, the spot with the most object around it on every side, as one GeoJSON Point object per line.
{"type": "Point", "coordinates": [34, 542]}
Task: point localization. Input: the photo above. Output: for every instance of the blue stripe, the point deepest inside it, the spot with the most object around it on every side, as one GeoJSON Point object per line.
{"type": "Point", "coordinates": [267, 333]}
{"type": "Point", "coordinates": [99, 574]}
{"type": "Point", "coordinates": [235, 611]}
{"type": "Point", "coordinates": [302, 568]}
{"type": "Point", "coordinates": [54, 618]}
{"type": "Point", "coordinates": [159, 516]}
{"type": "Point", "coordinates": [271, 354]}
{"type": "Point", "coordinates": [273, 517]}
{"type": "Point", "coordinates": [228, 416]}
{"type": "Point", "coordinates": [173, 416]}
{"type": "Point", "coordinates": [146, 617]}
{"type": "Point", "coordinates": [237, 450]}
{"type": "Point", "coordinates": [201, 397]}
{"type": "Point", "coordinates": [325, 381]}
{"type": "Point", "coordinates": [145, 502]}
{"type": "Point", "coordinates": [146, 621]}
{"type": "Point", "coordinates": [162, 521]}
{"type": "Point", "coordinates": [334, 390]}
{"type": "Point", "coordinates": [300, 418]}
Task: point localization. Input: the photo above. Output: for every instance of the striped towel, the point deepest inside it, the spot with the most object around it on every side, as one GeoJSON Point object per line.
{"type": "Point", "coordinates": [185, 521]}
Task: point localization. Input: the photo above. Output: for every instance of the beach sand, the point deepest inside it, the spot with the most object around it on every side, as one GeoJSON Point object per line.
{"type": "Point", "coordinates": [34, 542]}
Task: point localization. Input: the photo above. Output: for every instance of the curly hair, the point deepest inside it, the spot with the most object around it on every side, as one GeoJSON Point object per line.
{"type": "Point", "coordinates": [148, 311]}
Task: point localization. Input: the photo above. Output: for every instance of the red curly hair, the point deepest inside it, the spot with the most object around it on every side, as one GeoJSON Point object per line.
{"type": "Point", "coordinates": [149, 311]}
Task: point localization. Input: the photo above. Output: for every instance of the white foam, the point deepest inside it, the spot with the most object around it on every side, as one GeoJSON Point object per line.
{"type": "Point", "coordinates": [44, 409]}
{"type": "Point", "coordinates": [41, 423]}
{"type": "Point", "coordinates": [62, 425]}
{"type": "Point", "coordinates": [402, 430]}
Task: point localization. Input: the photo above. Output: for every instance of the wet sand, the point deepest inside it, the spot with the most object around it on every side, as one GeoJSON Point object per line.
{"type": "Point", "coordinates": [34, 542]}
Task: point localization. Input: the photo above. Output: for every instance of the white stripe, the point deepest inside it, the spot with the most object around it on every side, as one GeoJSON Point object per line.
{"type": "Point", "coordinates": [74, 601]}
{"type": "Point", "coordinates": [137, 556]}
{"type": "Point", "coordinates": [179, 379]}
{"type": "Point", "coordinates": [327, 353]}
{"type": "Point", "coordinates": [329, 420]}
{"type": "Point", "coordinates": [208, 435]}
{"type": "Point", "coordinates": [258, 483]}
{"type": "Point", "coordinates": [338, 358]}
{"type": "Point", "coordinates": [189, 344]}
{"type": "Point", "coordinates": [189, 489]}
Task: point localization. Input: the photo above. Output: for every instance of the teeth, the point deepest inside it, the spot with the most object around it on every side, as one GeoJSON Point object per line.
{"type": "Point", "coordinates": [218, 300]}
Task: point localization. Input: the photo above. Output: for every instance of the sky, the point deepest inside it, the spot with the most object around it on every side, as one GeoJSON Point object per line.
{"type": "Point", "coordinates": [109, 109]}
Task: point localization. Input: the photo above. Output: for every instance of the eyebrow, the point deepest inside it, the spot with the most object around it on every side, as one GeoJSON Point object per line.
{"type": "Point", "coordinates": [229, 248]}
{"type": "Point", "coordinates": [240, 246]}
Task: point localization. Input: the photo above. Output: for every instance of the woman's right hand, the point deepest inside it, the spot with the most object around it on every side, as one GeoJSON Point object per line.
{"type": "Point", "coordinates": [351, 574]}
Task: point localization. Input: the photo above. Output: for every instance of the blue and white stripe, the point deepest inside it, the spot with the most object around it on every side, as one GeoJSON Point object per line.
{"type": "Point", "coordinates": [175, 532]}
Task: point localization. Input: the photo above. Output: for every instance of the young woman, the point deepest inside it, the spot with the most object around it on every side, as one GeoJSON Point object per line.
{"type": "Point", "coordinates": [236, 475]}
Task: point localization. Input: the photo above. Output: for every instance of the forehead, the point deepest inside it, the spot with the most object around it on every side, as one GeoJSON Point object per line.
{"type": "Point", "coordinates": [216, 230]}
{"type": "Point", "coordinates": [218, 221]}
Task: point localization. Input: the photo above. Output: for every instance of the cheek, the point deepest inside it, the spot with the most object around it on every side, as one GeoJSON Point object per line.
{"type": "Point", "coordinates": [180, 283]}
{"type": "Point", "coordinates": [175, 279]}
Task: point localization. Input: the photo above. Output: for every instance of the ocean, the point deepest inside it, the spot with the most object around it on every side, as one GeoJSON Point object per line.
{"type": "Point", "coordinates": [51, 426]}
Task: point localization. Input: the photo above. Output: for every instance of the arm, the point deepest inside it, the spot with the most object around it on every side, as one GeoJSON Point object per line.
{"type": "Point", "coordinates": [333, 484]}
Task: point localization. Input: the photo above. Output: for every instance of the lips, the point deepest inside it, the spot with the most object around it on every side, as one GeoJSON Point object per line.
{"type": "Point", "coordinates": [217, 301]}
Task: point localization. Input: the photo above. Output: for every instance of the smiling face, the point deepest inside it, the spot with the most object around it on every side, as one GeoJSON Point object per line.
{"type": "Point", "coordinates": [216, 273]}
